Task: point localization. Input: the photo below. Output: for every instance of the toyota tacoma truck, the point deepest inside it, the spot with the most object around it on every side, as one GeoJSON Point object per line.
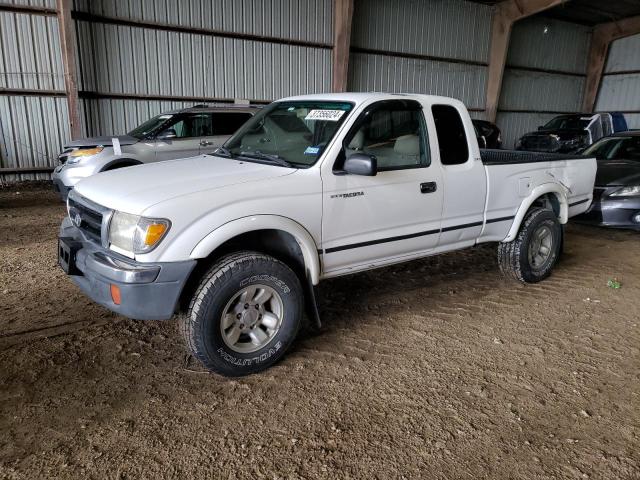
{"type": "Point", "coordinates": [312, 187]}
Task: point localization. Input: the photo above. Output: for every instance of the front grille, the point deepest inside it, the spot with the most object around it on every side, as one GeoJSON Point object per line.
{"type": "Point", "coordinates": [87, 218]}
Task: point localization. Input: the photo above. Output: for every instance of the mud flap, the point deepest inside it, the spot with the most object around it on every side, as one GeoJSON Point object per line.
{"type": "Point", "coordinates": [311, 303]}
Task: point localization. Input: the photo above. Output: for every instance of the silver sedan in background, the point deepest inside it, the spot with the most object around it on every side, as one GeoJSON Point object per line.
{"type": "Point", "coordinates": [177, 134]}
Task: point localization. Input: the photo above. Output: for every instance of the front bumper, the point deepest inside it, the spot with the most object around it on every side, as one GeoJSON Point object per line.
{"type": "Point", "coordinates": [616, 213]}
{"type": "Point", "coordinates": [60, 187]}
{"type": "Point", "coordinates": [147, 291]}
{"type": "Point", "coordinates": [65, 177]}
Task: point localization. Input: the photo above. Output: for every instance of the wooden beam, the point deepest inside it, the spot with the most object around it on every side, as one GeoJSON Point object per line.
{"type": "Point", "coordinates": [68, 44]}
{"type": "Point", "coordinates": [603, 35]}
{"type": "Point", "coordinates": [342, 20]}
{"type": "Point", "coordinates": [505, 15]}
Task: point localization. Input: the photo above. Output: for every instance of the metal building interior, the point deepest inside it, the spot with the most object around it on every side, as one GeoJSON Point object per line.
{"type": "Point", "coordinates": [518, 63]}
{"type": "Point", "coordinates": [437, 367]}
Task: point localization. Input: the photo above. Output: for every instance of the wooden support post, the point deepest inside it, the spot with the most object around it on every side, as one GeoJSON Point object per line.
{"type": "Point", "coordinates": [68, 44]}
{"type": "Point", "coordinates": [505, 15]}
{"type": "Point", "coordinates": [603, 35]}
{"type": "Point", "coordinates": [342, 19]}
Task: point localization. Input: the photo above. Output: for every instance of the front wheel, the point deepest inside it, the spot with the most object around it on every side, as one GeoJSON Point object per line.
{"type": "Point", "coordinates": [244, 315]}
{"type": "Point", "coordinates": [531, 257]}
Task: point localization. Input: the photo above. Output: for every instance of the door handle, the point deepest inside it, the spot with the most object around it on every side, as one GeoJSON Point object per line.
{"type": "Point", "coordinates": [204, 143]}
{"type": "Point", "coordinates": [428, 187]}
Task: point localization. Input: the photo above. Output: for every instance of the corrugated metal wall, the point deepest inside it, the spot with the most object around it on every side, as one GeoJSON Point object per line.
{"type": "Point", "coordinates": [32, 127]}
{"type": "Point", "coordinates": [137, 58]}
{"type": "Point", "coordinates": [620, 87]}
{"type": "Point", "coordinates": [145, 61]}
{"type": "Point", "coordinates": [545, 74]}
{"type": "Point", "coordinates": [201, 62]}
{"type": "Point", "coordinates": [140, 57]}
{"type": "Point", "coordinates": [32, 3]}
{"type": "Point", "coordinates": [436, 47]}
{"type": "Point", "coordinates": [305, 20]}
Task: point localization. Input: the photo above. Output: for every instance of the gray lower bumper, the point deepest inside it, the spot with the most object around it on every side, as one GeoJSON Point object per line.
{"type": "Point", "coordinates": [147, 291]}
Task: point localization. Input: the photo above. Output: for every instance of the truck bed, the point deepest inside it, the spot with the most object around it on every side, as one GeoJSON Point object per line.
{"type": "Point", "coordinates": [514, 157]}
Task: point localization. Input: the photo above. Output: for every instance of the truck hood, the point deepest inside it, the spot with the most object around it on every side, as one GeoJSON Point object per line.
{"type": "Point", "coordinates": [618, 173]}
{"type": "Point", "coordinates": [134, 189]}
{"type": "Point", "coordinates": [104, 141]}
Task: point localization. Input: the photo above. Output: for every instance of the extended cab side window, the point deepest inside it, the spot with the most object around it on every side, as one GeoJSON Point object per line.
{"type": "Point", "coordinates": [392, 131]}
{"type": "Point", "coordinates": [452, 137]}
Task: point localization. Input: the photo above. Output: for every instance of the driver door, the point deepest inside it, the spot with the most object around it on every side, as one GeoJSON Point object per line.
{"type": "Point", "coordinates": [374, 220]}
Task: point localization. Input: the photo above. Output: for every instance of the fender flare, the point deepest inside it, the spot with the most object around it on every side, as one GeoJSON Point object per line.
{"type": "Point", "coordinates": [554, 188]}
{"type": "Point", "coordinates": [242, 225]}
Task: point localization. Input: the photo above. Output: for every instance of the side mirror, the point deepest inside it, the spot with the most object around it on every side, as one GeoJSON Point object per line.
{"type": "Point", "coordinates": [361, 164]}
{"type": "Point", "coordinates": [168, 134]}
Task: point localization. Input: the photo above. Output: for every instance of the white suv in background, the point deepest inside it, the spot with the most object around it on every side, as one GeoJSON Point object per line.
{"type": "Point", "coordinates": [177, 134]}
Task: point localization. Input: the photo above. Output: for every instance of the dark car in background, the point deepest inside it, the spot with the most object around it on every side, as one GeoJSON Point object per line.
{"type": "Point", "coordinates": [488, 134]}
{"type": "Point", "coordinates": [572, 133]}
{"type": "Point", "coordinates": [616, 197]}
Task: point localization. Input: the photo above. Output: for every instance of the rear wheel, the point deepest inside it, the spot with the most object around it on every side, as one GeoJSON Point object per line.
{"type": "Point", "coordinates": [532, 255]}
{"type": "Point", "coordinates": [244, 315]}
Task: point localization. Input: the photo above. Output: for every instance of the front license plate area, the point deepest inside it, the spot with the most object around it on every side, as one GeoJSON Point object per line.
{"type": "Point", "coordinates": [67, 250]}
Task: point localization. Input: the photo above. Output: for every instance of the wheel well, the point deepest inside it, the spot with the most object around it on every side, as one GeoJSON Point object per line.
{"type": "Point", "coordinates": [125, 162]}
{"type": "Point", "coordinates": [548, 201]}
{"type": "Point", "coordinates": [277, 243]}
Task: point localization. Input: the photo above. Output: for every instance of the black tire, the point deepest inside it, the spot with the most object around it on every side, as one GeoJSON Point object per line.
{"type": "Point", "coordinates": [201, 326]}
{"type": "Point", "coordinates": [514, 258]}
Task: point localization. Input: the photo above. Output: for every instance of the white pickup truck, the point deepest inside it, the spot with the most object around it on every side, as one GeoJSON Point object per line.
{"type": "Point", "coordinates": [312, 187]}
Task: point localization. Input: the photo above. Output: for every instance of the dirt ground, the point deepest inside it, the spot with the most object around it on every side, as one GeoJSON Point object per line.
{"type": "Point", "coordinates": [432, 369]}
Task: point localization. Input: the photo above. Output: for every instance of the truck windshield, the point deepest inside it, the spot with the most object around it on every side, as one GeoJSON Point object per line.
{"type": "Point", "coordinates": [294, 133]}
{"type": "Point", "coordinates": [574, 122]}
{"type": "Point", "coordinates": [150, 126]}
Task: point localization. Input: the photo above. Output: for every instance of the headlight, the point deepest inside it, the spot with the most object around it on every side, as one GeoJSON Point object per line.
{"type": "Point", "coordinates": [627, 192]}
{"type": "Point", "coordinates": [77, 155]}
{"type": "Point", "coordinates": [136, 234]}
{"type": "Point", "coordinates": [86, 152]}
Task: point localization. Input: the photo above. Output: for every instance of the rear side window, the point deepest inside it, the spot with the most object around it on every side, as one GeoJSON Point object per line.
{"type": "Point", "coordinates": [227, 123]}
{"type": "Point", "coordinates": [452, 138]}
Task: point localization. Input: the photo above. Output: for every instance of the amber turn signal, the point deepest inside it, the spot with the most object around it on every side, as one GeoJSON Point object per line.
{"type": "Point", "coordinates": [155, 231]}
{"type": "Point", "coordinates": [115, 294]}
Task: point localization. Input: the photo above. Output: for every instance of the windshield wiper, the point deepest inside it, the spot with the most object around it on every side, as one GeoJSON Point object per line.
{"type": "Point", "coordinates": [258, 155]}
{"type": "Point", "coordinates": [222, 152]}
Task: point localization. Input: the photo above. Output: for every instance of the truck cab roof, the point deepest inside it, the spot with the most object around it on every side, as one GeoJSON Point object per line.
{"type": "Point", "coordinates": [359, 98]}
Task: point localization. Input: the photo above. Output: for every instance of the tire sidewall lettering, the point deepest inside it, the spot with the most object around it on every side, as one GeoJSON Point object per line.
{"type": "Point", "coordinates": [264, 277]}
{"type": "Point", "coordinates": [254, 360]}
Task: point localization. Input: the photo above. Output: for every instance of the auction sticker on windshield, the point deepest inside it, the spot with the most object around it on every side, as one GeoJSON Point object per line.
{"type": "Point", "coordinates": [326, 115]}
